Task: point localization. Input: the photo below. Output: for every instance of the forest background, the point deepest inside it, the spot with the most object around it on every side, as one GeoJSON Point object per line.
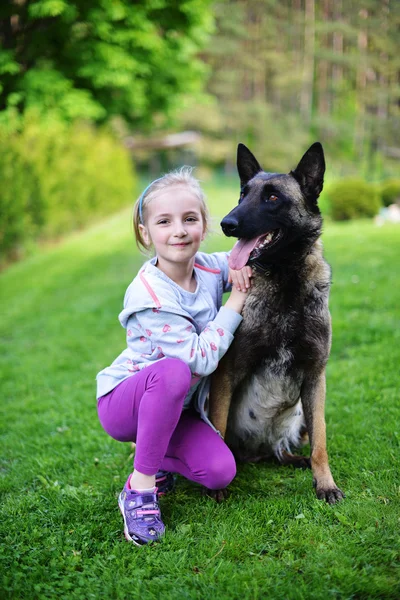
{"type": "Point", "coordinates": [277, 76]}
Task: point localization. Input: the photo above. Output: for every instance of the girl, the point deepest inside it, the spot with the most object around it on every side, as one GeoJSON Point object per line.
{"type": "Point", "coordinates": [155, 392]}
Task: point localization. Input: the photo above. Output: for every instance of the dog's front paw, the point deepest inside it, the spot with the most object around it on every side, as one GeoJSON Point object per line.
{"type": "Point", "coordinates": [330, 495]}
{"type": "Point", "coordinates": [217, 495]}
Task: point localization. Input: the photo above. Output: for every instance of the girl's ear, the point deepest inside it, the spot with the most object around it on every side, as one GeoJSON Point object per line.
{"type": "Point", "coordinates": [145, 235]}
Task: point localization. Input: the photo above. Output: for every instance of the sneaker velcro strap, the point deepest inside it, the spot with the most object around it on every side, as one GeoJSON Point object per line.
{"type": "Point", "coordinates": [149, 498]}
{"type": "Point", "coordinates": [147, 511]}
{"type": "Point", "coordinates": [144, 513]}
{"type": "Point", "coordinates": [138, 500]}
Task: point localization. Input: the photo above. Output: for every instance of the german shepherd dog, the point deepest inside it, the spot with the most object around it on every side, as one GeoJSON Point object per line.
{"type": "Point", "coordinates": [269, 389]}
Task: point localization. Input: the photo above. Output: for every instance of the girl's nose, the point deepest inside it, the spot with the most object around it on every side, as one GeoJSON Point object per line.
{"type": "Point", "coordinates": [180, 230]}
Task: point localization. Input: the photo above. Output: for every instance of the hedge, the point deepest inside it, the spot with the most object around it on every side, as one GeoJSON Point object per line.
{"type": "Point", "coordinates": [390, 191]}
{"type": "Point", "coordinates": [352, 199]}
{"type": "Point", "coordinates": [56, 177]}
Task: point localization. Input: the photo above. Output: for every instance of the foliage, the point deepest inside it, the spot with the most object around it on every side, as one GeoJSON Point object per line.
{"type": "Point", "coordinates": [280, 74]}
{"type": "Point", "coordinates": [93, 59]}
{"type": "Point", "coordinates": [352, 199]}
{"type": "Point", "coordinates": [60, 526]}
{"type": "Point", "coordinates": [56, 178]}
{"type": "Point", "coordinates": [390, 191]}
{"type": "Point", "coordinates": [284, 74]}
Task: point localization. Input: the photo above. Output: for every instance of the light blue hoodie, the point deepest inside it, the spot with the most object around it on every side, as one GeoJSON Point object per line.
{"type": "Point", "coordinates": [164, 320]}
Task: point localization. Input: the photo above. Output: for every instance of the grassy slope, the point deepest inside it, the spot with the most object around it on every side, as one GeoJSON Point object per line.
{"type": "Point", "coordinates": [60, 473]}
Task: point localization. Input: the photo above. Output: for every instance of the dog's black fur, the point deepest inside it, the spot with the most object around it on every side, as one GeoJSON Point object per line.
{"type": "Point", "coordinates": [272, 379]}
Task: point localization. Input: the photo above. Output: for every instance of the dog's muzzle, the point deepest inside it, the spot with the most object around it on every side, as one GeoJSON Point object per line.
{"type": "Point", "coordinates": [229, 226]}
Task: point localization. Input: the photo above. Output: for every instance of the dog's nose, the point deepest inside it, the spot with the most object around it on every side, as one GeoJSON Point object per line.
{"type": "Point", "coordinates": [229, 225]}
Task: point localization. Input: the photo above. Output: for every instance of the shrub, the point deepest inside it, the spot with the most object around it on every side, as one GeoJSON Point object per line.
{"type": "Point", "coordinates": [390, 191]}
{"type": "Point", "coordinates": [17, 189]}
{"type": "Point", "coordinates": [55, 178]}
{"type": "Point", "coordinates": [352, 199]}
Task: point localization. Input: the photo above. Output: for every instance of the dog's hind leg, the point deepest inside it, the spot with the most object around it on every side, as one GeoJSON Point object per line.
{"type": "Point", "coordinates": [313, 400]}
{"type": "Point", "coordinates": [220, 397]}
{"type": "Point", "coordinates": [219, 404]}
{"type": "Point", "coordinates": [297, 461]}
{"type": "Point", "coordinates": [294, 460]}
{"type": "Point", "coordinates": [217, 495]}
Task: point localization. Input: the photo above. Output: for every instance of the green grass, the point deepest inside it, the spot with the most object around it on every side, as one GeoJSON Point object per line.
{"type": "Point", "coordinates": [61, 531]}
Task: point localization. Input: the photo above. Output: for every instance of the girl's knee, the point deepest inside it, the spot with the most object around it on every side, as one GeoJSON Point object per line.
{"type": "Point", "coordinates": [220, 471]}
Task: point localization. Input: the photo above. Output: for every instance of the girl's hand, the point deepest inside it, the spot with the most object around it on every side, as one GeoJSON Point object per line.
{"type": "Point", "coordinates": [236, 300]}
{"type": "Point", "coordinates": [241, 279]}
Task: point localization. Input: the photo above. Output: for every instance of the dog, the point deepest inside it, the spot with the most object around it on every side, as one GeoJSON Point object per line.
{"type": "Point", "coordinates": [268, 393]}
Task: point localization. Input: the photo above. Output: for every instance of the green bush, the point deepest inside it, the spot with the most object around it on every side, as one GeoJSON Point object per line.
{"type": "Point", "coordinates": [17, 188]}
{"type": "Point", "coordinates": [390, 191]}
{"type": "Point", "coordinates": [353, 199]}
{"type": "Point", "coordinates": [56, 178]}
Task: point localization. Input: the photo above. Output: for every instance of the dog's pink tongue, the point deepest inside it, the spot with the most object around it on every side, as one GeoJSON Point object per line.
{"type": "Point", "coordinates": [240, 253]}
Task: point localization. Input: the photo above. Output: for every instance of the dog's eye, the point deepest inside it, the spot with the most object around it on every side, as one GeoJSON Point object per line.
{"type": "Point", "coordinates": [241, 196]}
{"type": "Point", "coordinates": [273, 198]}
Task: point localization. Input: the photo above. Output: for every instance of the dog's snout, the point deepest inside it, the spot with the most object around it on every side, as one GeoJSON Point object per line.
{"type": "Point", "coordinates": [229, 226]}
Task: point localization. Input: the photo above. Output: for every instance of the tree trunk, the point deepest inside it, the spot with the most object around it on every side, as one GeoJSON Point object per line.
{"type": "Point", "coordinates": [306, 98]}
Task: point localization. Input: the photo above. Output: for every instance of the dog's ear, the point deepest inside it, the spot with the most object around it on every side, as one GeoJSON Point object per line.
{"type": "Point", "coordinates": [309, 173]}
{"type": "Point", "coordinates": [247, 164]}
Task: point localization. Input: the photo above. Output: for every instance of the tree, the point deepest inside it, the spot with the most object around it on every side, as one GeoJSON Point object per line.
{"type": "Point", "coordinates": [96, 58]}
{"type": "Point", "coordinates": [287, 72]}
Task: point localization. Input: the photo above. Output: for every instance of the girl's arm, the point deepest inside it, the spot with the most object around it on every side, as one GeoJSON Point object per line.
{"type": "Point", "coordinates": [175, 336]}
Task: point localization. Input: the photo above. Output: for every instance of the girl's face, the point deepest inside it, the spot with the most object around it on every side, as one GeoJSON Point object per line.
{"type": "Point", "coordinates": [174, 225]}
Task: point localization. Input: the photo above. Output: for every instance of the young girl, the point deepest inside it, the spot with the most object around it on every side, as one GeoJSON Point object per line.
{"type": "Point", "coordinates": [155, 392]}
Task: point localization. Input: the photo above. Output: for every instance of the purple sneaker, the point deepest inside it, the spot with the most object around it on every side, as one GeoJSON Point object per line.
{"type": "Point", "coordinates": [165, 482]}
{"type": "Point", "coordinates": [142, 516]}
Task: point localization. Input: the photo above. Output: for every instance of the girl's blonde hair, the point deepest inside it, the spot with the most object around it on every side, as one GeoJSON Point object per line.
{"type": "Point", "coordinates": [182, 176]}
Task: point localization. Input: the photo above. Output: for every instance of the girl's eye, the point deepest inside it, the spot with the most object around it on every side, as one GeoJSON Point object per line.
{"type": "Point", "coordinates": [162, 222]}
{"type": "Point", "coordinates": [192, 219]}
{"type": "Point", "coordinates": [273, 198]}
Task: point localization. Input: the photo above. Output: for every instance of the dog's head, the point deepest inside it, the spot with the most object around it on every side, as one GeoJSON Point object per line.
{"type": "Point", "coordinates": [277, 218]}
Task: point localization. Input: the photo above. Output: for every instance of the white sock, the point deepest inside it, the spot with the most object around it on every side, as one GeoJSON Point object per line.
{"type": "Point", "coordinates": [146, 491]}
{"type": "Point", "coordinates": [140, 490]}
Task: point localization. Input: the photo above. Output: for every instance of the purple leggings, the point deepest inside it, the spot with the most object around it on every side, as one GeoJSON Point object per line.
{"type": "Point", "coordinates": [146, 408]}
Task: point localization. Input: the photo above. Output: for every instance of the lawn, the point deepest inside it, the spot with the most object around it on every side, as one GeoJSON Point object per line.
{"type": "Point", "coordinates": [61, 531]}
